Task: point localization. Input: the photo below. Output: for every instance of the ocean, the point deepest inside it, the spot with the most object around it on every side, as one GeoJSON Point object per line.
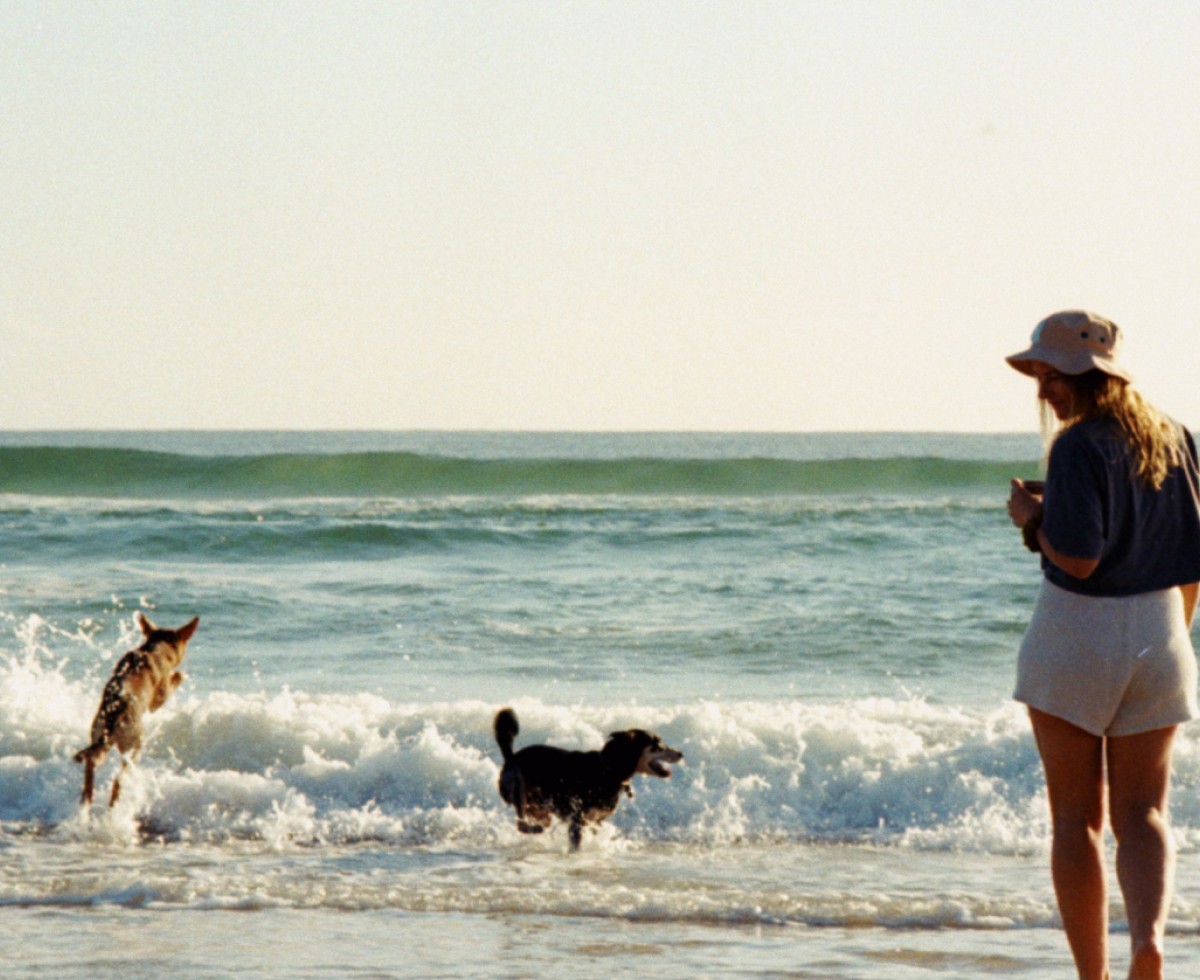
{"type": "Point", "coordinates": [824, 624]}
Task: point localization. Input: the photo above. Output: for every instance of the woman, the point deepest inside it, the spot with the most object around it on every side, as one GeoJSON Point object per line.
{"type": "Point", "coordinates": [1107, 667]}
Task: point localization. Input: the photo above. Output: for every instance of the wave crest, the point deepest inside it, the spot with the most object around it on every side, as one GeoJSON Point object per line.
{"type": "Point", "coordinates": [121, 473]}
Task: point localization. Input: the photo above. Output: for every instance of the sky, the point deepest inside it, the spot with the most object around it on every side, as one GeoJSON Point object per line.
{"type": "Point", "coordinates": [750, 215]}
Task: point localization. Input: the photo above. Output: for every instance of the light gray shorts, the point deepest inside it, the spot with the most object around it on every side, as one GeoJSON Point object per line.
{"type": "Point", "coordinates": [1111, 666]}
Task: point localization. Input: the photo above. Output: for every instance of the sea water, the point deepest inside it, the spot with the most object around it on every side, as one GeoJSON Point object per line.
{"type": "Point", "coordinates": [825, 625]}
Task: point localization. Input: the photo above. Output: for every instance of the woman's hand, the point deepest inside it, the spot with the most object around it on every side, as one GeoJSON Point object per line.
{"type": "Point", "coordinates": [1024, 502]}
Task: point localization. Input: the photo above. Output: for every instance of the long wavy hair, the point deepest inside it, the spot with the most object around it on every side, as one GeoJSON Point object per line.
{"type": "Point", "coordinates": [1155, 442]}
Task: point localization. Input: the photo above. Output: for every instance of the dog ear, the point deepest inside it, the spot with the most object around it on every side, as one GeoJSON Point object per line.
{"type": "Point", "coordinates": [631, 738]}
{"type": "Point", "coordinates": [143, 621]}
{"type": "Point", "coordinates": [632, 735]}
{"type": "Point", "coordinates": [184, 633]}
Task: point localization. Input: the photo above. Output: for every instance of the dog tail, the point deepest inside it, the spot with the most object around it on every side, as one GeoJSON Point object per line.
{"type": "Point", "coordinates": [512, 779]}
{"type": "Point", "coordinates": [506, 729]}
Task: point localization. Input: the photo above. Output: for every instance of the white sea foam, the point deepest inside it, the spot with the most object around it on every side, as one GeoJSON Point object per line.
{"type": "Point", "coordinates": [300, 767]}
{"type": "Point", "coordinates": [294, 767]}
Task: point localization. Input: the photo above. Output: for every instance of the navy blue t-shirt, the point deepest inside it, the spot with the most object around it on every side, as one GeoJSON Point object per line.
{"type": "Point", "coordinates": [1097, 507]}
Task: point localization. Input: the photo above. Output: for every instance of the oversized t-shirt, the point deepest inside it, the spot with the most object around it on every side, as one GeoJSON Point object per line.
{"type": "Point", "coordinates": [1097, 507]}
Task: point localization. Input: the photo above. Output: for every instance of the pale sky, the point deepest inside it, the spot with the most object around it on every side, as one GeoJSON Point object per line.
{"type": "Point", "coordinates": [746, 215]}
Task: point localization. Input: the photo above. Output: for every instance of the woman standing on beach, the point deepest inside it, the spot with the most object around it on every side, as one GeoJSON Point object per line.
{"type": "Point", "coordinates": [1107, 667]}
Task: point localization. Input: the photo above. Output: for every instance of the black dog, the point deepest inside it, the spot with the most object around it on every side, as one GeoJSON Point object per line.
{"type": "Point", "coordinates": [541, 782]}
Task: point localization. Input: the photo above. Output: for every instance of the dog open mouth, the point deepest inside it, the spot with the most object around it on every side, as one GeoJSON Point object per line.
{"type": "Point", "coordinates": [655, 764]}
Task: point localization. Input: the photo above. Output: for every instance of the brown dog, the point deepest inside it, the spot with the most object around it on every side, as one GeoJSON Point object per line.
{"type": "Point", "coordinates": [541, 781]}
{"type": "Point", "coordinates": [142, 681]}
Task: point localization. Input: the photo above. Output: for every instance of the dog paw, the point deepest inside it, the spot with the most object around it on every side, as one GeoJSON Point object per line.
{"type": "Point", "coordinates": [529, 828]}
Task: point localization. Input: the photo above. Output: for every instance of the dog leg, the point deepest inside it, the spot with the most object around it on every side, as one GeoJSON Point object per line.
{"type": "Point", "coordinates": [512, 790]}
{"type": "Point", "coordinates": [576, 833]}
{"type": "Point", "coordinates": [89, 782]}
{"type": "Point", "coordinates": [116, 790]}
{"type": "Point", "coordinates": [91, 757]}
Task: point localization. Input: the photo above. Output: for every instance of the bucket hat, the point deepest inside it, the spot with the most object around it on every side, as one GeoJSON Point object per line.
{"type": "Point", "coordinates": [1073, 342]}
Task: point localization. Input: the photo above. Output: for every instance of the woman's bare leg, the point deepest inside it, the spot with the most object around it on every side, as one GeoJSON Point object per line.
{"type": "Point", "coordinates": [1139, 773]}
{"type": "Point", "coordinates": [1074, 764]}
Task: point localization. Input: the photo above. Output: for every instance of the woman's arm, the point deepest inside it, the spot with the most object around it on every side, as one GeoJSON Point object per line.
{"type": "Point", "coordinates": [1025, 505]}
{"type": "Point", "coordinates": [1075, 567]}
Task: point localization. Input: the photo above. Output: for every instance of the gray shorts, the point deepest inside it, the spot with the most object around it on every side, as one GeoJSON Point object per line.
{"type": "Point", "coordinates": [1111, 666]}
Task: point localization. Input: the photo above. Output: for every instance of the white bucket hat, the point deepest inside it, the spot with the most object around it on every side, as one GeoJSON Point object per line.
{"type": "Point", "coordinates": [1073, 342]}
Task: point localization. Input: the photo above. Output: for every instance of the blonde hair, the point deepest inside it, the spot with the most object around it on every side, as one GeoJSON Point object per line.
{"type": "Point", "coordinates": [1155, 442]}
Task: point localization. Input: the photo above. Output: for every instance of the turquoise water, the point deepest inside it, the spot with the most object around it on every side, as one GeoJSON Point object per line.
{"type": "Point", "coordinates": [824, 624]}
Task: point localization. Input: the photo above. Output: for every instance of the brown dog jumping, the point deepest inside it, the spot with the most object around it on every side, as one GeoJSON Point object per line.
{"type": "Point", "coordinates": [541, 781]}
{"type": "Point", "coordinates": [142, 681]}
